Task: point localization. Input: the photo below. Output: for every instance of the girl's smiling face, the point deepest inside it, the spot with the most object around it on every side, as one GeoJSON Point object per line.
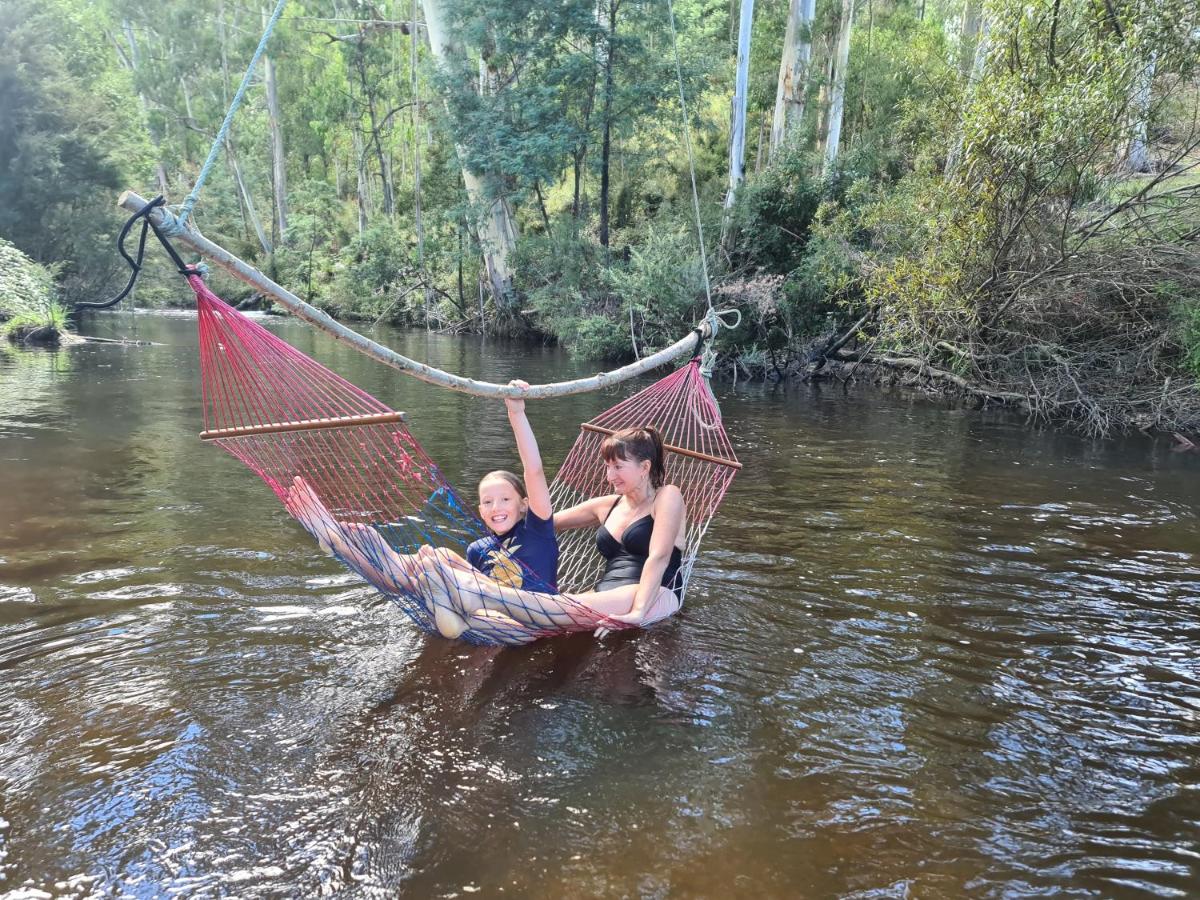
{"type": "Point", "coordinates": [501, 506]}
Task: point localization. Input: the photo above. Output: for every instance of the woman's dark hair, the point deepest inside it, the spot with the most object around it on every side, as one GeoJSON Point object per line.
{"type": "Point", "coordinates": [505, 475]}
{"type": "Point", "coordinates": [637, 444]}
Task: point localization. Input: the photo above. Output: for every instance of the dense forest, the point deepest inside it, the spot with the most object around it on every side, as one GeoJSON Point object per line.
{"type": "Point", "coordinates": [992, 197]}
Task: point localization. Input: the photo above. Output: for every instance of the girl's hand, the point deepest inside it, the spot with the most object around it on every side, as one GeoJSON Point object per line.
{"type": "Point", "coordinates": [516, 404]}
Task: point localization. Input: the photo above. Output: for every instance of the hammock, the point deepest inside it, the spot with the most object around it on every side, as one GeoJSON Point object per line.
{"type": "Point", "coordinates": [347, 467]}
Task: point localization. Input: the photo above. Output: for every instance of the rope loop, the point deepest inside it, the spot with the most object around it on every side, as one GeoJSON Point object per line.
{"type": "Point", "coordinates": [715, 320]}
{"type": "Point", "coordinates": [135, 264]}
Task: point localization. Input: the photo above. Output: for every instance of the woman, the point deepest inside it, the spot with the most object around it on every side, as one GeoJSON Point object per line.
{"type": "Point", "coordinates": [641, 534]}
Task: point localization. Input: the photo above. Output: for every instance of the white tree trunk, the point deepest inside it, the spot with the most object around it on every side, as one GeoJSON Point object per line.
{"type": "Point", "coordinates": [977, 69]}
{"type": "Point", "coordinates": [737, 138]}
{"type": "Point", "coordinates": [793, 72]}
{"type": "Point", "coordinates": [278, 161]}
{"type": "Point", "coordinates": [416, 138]}
{"type": "Point", "coordinates": [837, 100]}
{"type": "Point", "coordinates": [244, 195]}
{"type": "Point", "coordinates": [493, 218]}
{"type": "Point", "coordinates": [972, 24]}
{"type": "Point", "coordinates": [364, 185]}
{"type": "Point", "coordinates": [1139, 153]}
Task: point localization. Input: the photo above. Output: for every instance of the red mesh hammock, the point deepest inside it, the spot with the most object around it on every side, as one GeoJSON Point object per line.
{"type": "Point", "coordinates": [347, 467]}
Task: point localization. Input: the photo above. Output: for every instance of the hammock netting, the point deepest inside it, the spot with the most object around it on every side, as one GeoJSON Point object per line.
{"type": "Point", "coordinates": [347, 468]}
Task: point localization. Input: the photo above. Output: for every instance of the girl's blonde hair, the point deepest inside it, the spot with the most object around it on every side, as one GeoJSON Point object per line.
{"type": "Point", "coordinates": [504, 475]}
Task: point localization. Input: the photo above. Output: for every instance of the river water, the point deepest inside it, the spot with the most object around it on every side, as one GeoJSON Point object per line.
{"type": "Point", "coordinates": [927, 652]}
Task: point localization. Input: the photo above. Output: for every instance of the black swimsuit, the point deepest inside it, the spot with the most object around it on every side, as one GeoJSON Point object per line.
{"type": "Point", "coordinates": [626, 558]}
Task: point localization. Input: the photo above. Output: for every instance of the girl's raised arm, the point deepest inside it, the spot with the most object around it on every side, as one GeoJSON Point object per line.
{"type": "Point", "coordinates": [531, 457]}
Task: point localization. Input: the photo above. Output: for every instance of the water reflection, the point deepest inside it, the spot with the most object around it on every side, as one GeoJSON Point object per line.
{"type": "Point", "coordinates": [929, 652]}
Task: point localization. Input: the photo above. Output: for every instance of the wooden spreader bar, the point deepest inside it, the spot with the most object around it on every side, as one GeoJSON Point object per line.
{"type": "Point", "coordinates": [671, 448]}
{"type": "Point", "coordinates": [302, 425]}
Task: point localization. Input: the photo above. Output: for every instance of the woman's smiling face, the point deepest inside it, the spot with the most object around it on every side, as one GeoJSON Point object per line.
{"type": "Point", "coordinates": [501, 506]}
{"type": "Point", "coordinates": [625, 474]}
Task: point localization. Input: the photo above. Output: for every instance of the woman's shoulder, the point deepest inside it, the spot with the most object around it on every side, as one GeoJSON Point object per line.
{"type": "Point", "coordinates": [603, 503]}
{"type": "Point", "coordinates": [668, 494]}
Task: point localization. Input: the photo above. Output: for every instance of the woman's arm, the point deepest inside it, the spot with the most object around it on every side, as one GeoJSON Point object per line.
{"type": "Point", "coordinates": [531, 457]}
{"type": "Point", "coordinates": [582, 515]}
{"type": "Point", "coordinates": [669, 513]}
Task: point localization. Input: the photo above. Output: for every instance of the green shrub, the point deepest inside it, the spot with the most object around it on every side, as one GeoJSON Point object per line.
{"type": "Point", "coordinates": [774, 214]}
{"type": "Point", "coordinates": [27, 294]}
{"type": "Point", "coordinates": [371, 274]}
{"type": "Point", "coordinates": [1186, 313]}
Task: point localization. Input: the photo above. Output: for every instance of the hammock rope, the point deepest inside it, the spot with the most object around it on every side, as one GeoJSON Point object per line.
{"type": "Point", "coordinates": [347, 467]}
{"type": "Point", "coordinates": [214, 151]}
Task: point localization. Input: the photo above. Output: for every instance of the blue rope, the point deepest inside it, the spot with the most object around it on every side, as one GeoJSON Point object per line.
{"type": "Point", "coordinates": [185, 209]}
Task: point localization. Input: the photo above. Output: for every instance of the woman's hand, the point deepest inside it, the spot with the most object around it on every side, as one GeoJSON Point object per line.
{"type": "Point", "coordinates": [516, 404]}
{"type": "Point", "coordinates": [633, 619]}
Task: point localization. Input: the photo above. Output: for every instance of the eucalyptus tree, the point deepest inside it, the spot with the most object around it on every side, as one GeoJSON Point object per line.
{"type": "Point", "coordinates": [492, 216]}
{"type": "Point", "coordinates": [737, 137]}
{"type": "Point", "coordinates": [792, 85]}
{"type": "Point", "coordinates": [837, 92]}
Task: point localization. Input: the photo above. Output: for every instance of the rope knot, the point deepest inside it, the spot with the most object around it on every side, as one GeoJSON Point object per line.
{"type": "Point", "coordinates": [169, 224]}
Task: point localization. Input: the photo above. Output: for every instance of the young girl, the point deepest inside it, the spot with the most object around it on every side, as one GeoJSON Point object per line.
{"type": "Point", "coordinates": [521, 552]}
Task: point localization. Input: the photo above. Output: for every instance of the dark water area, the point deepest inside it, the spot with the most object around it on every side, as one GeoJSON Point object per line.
{"type": "Point", "coordinates": [927, 652]}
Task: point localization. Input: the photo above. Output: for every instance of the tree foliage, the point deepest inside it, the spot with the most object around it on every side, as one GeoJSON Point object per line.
{"type": "Point", "coordinates": [989, 215]}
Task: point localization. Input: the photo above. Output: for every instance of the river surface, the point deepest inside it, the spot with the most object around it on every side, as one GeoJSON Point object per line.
{"type": "Point", "coordinates": [927, 652]}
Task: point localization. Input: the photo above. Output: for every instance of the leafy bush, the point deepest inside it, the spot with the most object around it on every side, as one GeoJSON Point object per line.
{"type": "Point", "coordinates": [560, 274]}
{"type": "Point", "coordinates": [371, 274]}
{"type": "Point", "coordinates": [774, 213]}
{"type": "Point", "coordinates": [27, 293]}
{"type": "Point", "coordinates": [649, 293]}
{"type": "Point", "coordinates": [1186, 313]}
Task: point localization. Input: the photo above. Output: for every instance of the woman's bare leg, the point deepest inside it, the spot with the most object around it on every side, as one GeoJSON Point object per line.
{"type": "Point", "coordinates": [502, 628]}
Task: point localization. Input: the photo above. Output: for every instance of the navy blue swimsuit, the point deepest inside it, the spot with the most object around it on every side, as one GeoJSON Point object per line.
{"type": "Point", "coordinates": [626, 558]}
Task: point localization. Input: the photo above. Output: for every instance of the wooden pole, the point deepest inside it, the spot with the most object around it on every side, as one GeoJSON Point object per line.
{"type": "Point", "coordinates": [670, 448]}
{"type": "Point", "coordinates": [256, 279]}
{"type": "Point", "coordinates": [302, 425]}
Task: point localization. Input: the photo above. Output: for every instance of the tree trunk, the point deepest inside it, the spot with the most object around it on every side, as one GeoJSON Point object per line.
{"type": "Point", "coordinates": [364, 187]}
{"type": "Point", "coordinates": [606, 146]}
{"type": "Point", "coordinates": [793, 73]}
{"type": "Point", "coordinates": [968, 35]}
{"type": "Point", "coordinates": [977, 66]}
{"type": "Point", "coordinates": [737, 138]}
{"type": "Point", "coordinates": [418, 222]}
{"type": "Point", "coordinates": [1139, 153]}
{"type": "Point", "coordinates": [191, 121]}
{"type": "Point", "coordinates": [758, 149]}
{"type": "Point", "coordinates": [376, 142]}
{"type": "Point", "coordinates": [837, 100]}
{"type": "Point", "coordinates": [247, 202]}
{"type": "Point", "coordinates": [132, 61]}
{"type": "Point", "coordinates": [278, 161]}
{"type": "Point", "coordinates": [493, 218]}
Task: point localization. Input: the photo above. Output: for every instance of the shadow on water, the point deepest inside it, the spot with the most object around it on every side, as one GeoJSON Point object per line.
{"type": "Point", "coordinates": [928, 652]}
